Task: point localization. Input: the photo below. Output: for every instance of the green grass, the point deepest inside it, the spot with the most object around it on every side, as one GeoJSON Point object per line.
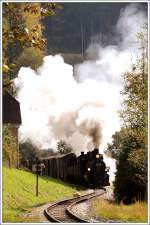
{"type": "Point", "coordinates": [19, 192]}
{"type": "Point", "coordinates": [134, 213]}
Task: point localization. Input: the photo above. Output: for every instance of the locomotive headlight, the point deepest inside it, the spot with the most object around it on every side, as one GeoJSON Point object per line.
{"type": "Point", "coordinates": [89, 169]}
{"type": "Point", "coordinates": [97, 156]}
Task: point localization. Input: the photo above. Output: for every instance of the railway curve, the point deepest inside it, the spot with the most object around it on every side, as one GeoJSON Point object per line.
{"type": "Point", "coordinates": [61, 212]}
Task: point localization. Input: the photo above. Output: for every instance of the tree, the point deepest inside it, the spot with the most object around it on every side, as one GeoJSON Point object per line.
{"type": "Point", "coordinates": [63, 147]}
{"type": "Point", "coordinates": [9, 147]}
{"type": "Point", "coordinates": [22, 28]}
{"type": "Point", "coordinates": [130, 143]}
{"type": "Point", "coordinates": [28, 154]}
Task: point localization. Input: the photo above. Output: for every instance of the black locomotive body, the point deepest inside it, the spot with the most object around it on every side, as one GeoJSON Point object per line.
{"type": "Point", "coordinates": [87, 169]}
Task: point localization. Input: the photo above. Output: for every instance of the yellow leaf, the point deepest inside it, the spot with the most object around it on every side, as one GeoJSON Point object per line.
{"type": "Point", "coordinates": [26, 30]}
{"type": "Point", "coordinates": [12, 65]}
{"type": "Point", "coordinates": [33, 41]}
{"type": "Point", "coordinates": [5, 68]}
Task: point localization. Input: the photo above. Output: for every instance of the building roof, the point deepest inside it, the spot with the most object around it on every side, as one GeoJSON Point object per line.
{"type": "Point", "coordinates": [11, 109]}
{"type": "Point", "coordinates": [58, 156]}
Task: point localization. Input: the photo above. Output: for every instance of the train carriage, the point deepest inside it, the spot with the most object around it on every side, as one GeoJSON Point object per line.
{"type": "Point", "coordinates": [87, 169]}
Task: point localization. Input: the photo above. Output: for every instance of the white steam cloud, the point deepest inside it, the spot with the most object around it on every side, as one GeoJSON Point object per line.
{"type": "Point", "coordinates": [80, 108]}
{"type": "Point", "coordinates": [54, 106]}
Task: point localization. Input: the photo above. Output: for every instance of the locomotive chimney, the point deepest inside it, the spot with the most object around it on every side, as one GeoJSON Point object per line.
{"type": "Point", "coordinates": [96, 151]}
{"type": "Point", "coordinates": [82, 153]}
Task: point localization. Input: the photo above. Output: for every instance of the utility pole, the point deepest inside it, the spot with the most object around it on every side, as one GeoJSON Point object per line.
{"type": "Point", "coordinates": [82, 36]}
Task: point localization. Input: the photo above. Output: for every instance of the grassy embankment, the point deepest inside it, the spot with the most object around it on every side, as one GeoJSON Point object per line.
{"type": "Point", "coordinates": [134, 213]}
{"type": "Point", "coordinates": [19, 193]}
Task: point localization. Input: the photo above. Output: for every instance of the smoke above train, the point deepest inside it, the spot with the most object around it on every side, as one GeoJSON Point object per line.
{"type": "Point", "coordinates": [79, 105]}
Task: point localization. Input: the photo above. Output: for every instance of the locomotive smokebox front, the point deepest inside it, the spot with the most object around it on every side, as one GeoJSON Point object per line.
{"type": "Point", "coordinates": [96, 150]}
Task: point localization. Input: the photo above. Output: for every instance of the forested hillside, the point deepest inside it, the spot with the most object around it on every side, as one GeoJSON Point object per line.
{"type": "Point", "coordinates": [79, 24]}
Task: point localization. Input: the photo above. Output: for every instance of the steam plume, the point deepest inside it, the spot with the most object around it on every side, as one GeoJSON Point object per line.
{"type": "Point", "coordinates": [80, 108]}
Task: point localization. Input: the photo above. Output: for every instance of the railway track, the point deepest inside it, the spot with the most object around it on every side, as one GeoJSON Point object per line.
{"type": "Point", "coordinates": [61, 212]}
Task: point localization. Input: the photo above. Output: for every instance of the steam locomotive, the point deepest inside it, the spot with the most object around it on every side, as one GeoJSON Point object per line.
{"type": "Point", "coordinates": [87, 169]}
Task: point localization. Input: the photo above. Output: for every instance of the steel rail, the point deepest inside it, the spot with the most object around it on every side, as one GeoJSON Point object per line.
{"type": "Point", "coordinates": [61, 211]}
{"type": "Point", "coordinates": [69, 209]}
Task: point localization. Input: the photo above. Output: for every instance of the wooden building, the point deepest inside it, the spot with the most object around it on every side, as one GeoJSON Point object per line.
{"type": "Point", "coordinates": [11, 115]}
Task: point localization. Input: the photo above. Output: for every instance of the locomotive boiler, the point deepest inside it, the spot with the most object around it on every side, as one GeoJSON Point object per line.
{"type": "Point", "coordinates": [87, 169]}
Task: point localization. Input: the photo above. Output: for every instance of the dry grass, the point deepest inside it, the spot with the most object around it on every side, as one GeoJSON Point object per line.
{"type": "Point", "coordinates": [137, 212]}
